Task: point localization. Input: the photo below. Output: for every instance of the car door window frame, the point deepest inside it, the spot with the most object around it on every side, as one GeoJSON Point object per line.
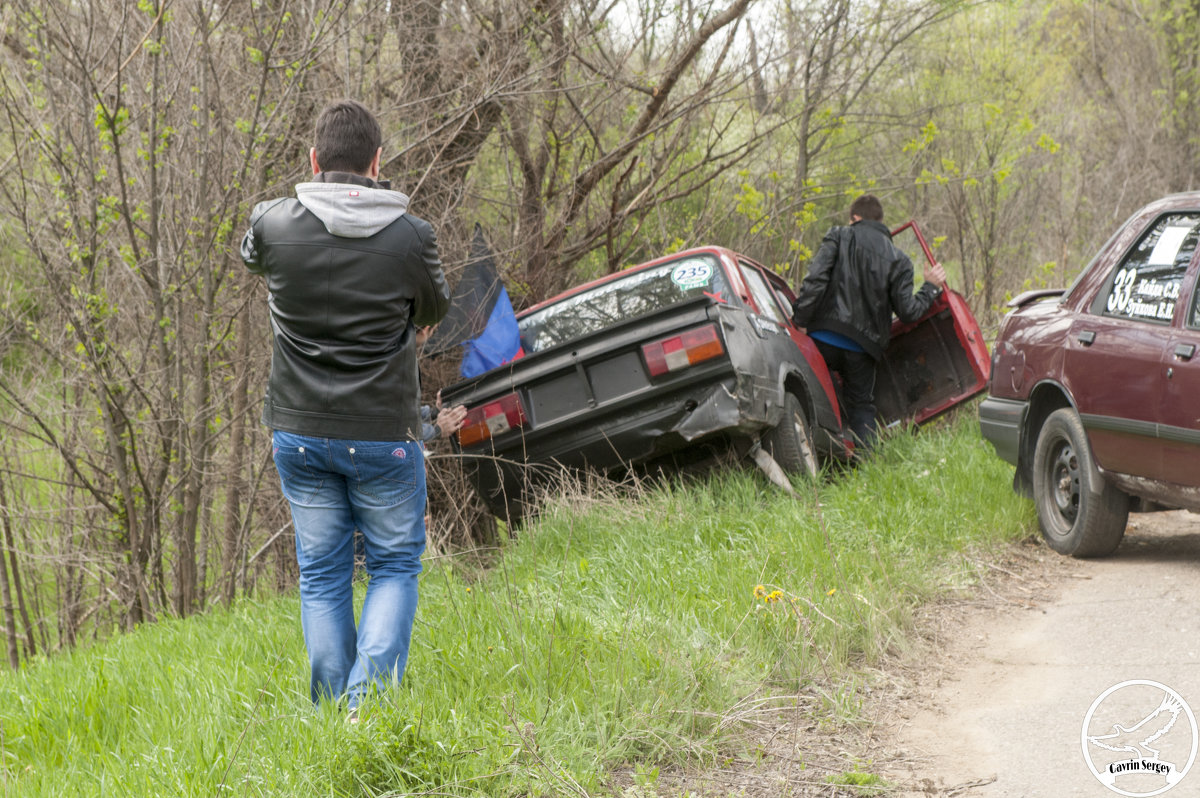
{"type": "Point", "coordinates": [762, 294]}
{"type": "Point", "coordinates": [1192, 319]}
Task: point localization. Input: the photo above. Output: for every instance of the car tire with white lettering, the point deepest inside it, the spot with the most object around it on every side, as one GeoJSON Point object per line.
{"type": "Point", "coordinates": [1080, 513]}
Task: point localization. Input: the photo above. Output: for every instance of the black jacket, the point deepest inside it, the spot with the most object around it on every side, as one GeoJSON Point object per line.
{"type": "Point", "coordinates": [351, 275]}
{"type": "Point", "coordinates": [857, 279]}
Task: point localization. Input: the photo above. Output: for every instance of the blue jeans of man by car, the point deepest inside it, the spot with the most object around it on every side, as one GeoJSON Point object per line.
{"type": "Point", "coordinates": [335, 487]}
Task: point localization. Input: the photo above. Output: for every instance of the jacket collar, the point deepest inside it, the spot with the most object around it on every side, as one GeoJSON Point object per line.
{"type": "Point", "coordinates": [874, 225]}
{"type": "Point", "coordinates": [350, 178]}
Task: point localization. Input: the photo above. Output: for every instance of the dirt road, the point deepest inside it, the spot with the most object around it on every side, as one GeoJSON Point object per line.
{"type": "Point", "coordinates": [1000, 713]}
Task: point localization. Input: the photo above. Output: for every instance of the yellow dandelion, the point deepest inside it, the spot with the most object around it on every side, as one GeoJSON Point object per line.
{"type": "Point", "coordinates": [760, 591]}
{"type": "Point", "coordinates": [775, 595]}
{"type": "Point", "coordinates": [831, 591]}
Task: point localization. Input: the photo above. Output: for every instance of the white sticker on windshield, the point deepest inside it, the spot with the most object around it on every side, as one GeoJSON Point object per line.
{"type": "Point", "coordinates": [1167, 248]}
{"type": "Point", "coordinates": [692, 275]}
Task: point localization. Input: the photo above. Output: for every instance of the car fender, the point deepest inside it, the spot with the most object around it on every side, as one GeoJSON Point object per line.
{"type": "Point", "coordinates": [803, 382]}
{"type": "Point", "coordinates": [790, 379]}
{"type": "Point", "coordinates": [1046, 397]}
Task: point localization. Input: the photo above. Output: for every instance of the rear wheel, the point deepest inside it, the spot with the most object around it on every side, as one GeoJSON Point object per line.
{"type": "Point", "coordinates": [1080, 513]}
{"type": "Point", "coordinates": [790, 441]}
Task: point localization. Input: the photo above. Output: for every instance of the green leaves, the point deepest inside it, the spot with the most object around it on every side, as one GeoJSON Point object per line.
{"type": "Point", "coordinates": [110, 124]}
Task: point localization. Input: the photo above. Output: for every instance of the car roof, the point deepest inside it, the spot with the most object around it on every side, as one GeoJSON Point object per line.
{"type": "Point", "coordinates": [1180, 201]}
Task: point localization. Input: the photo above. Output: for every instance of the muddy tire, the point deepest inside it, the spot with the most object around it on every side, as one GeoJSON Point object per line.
{"type": "Point", "coordinates": [790, 441]}
{"type": "Point", "coordinates": [1080, 513]}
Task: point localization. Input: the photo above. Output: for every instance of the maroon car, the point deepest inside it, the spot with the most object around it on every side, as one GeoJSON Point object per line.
{"type": "Point", "coordinates": [1095, 390]}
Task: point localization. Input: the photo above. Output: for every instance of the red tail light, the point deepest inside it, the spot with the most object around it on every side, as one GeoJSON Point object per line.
{"type": "Point", "coordinates": [681, 351]}
{"type": "Point", "coordinates": [494, 418]}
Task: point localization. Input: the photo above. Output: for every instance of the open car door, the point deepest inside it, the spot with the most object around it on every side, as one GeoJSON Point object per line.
{"type": "Point", "coordinates": [935, 363]}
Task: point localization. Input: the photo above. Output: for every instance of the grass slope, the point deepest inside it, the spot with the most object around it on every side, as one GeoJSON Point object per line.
{"type": "Point", "coordinates": [613, 632]}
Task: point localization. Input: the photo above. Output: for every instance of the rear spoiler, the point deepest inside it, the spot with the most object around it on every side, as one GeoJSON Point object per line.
{"type": "Point", "coordinates": [1032, 296]}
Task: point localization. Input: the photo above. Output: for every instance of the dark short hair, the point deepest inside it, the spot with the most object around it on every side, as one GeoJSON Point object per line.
{"type": "Point", "coordinates": [867, 206]}
{"type": "Point", "coordinates": [347, 137]}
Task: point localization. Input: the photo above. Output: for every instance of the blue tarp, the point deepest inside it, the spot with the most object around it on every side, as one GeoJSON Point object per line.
{"type": "Point", "coordinates": [497, 344]}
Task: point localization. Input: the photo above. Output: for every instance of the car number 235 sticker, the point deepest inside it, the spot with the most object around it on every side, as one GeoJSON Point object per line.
{"type": "Point", "coordinates": [692, 275]}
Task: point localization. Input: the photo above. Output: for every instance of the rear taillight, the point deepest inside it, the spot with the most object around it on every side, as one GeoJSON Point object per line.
{"type": "Point", "coordinates": [494, 418]}
{"type": "Point", "coordinates": [681, 351]}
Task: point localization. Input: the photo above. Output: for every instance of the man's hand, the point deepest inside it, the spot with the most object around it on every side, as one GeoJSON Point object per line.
{"type": "Point", "coordinates": [934, 273]}
{"type": "Point", "coordinates": [451, 421]}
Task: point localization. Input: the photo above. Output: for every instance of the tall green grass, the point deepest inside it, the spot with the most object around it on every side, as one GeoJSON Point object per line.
{"type": "Point", "coordinates": [616, 632]}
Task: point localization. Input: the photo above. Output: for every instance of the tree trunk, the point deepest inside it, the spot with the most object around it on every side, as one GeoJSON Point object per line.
{"type": "Point", "coordinates": [10, 616]}
{"type": "Point", "coordinates": [232, 549]}
{"type": "Point", "coordinates": [14, 565]}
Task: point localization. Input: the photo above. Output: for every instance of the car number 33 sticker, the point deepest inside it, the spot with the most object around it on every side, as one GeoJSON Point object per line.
{"type": "Point", "coordinates": [692, 275]}
{"type": "Point", "coordinates": [1122, 290]}
{"type": "Point", "coordinates": [1142, 299]}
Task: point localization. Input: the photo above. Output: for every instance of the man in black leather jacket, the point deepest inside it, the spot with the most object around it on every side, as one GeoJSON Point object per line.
{"type": "Point", "coordinates": [855, 282]}
{"type": "Point", "coordinates": [351, 276]}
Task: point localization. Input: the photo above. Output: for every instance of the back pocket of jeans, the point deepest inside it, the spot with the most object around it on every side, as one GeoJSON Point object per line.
{"type": "Point", "coordinates": [386, 473]}
{"type": "Point", "coordinates": [299, 483]}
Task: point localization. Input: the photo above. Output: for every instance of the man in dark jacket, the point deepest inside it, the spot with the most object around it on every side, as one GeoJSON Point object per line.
{"type": "Point", "coordinates": [351, 276]}
{"type": "Point", "coordinates": [855, 282]}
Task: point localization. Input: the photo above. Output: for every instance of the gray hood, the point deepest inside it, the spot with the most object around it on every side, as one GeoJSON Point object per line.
{"type": "Point", "coordinates": [352, 211]}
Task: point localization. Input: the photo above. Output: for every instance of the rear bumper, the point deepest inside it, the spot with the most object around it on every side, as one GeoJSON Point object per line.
{"type": "Point", "coordinates": [636, 433]}
{"type": "Point", "coordinates": [503, 471]}
{"type": "Point", "coordinates": [1001, 422]}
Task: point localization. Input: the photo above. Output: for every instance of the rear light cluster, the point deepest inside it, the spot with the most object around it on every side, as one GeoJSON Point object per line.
{"type": "Point", "coordinates": [681, 351]}
{"type": "Point", "coordinates": [495, 418]}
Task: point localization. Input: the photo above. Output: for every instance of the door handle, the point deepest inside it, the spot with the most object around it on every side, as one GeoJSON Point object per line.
{"type": "Point", "coordinates": [1087, 337]}
{"type": "Point", "coordinates": [1185, 351]}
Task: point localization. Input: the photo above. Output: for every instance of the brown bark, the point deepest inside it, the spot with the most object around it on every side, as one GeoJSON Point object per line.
{"type": "Point", "coordinates": [13, 565]}
{"type": "Point", "coordinates": [6, 598]}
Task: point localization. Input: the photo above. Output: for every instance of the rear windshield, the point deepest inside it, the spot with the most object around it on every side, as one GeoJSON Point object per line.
{"type": "Point", "coordinates": [624, 298]}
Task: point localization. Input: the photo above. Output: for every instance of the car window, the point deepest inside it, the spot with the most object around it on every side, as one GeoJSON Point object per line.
{"type": "Point", "coordinates": [637, 294]}
{"type": "Point", "coordinates": [1145, 285]}
{"type": "Point", "coordinates": [764, 297]}
{"type": "Point", "coordinates": [783, 294]}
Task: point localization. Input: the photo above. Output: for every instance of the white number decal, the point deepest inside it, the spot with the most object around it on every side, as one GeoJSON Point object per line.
{"type": "Point", "coordinates": [1122, 288]}
{"type": "Point", "coordinates": [691, 275]}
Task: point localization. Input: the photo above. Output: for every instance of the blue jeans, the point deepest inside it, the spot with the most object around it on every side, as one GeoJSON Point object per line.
{"type": "Point", "coordinates": [335, 487]}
